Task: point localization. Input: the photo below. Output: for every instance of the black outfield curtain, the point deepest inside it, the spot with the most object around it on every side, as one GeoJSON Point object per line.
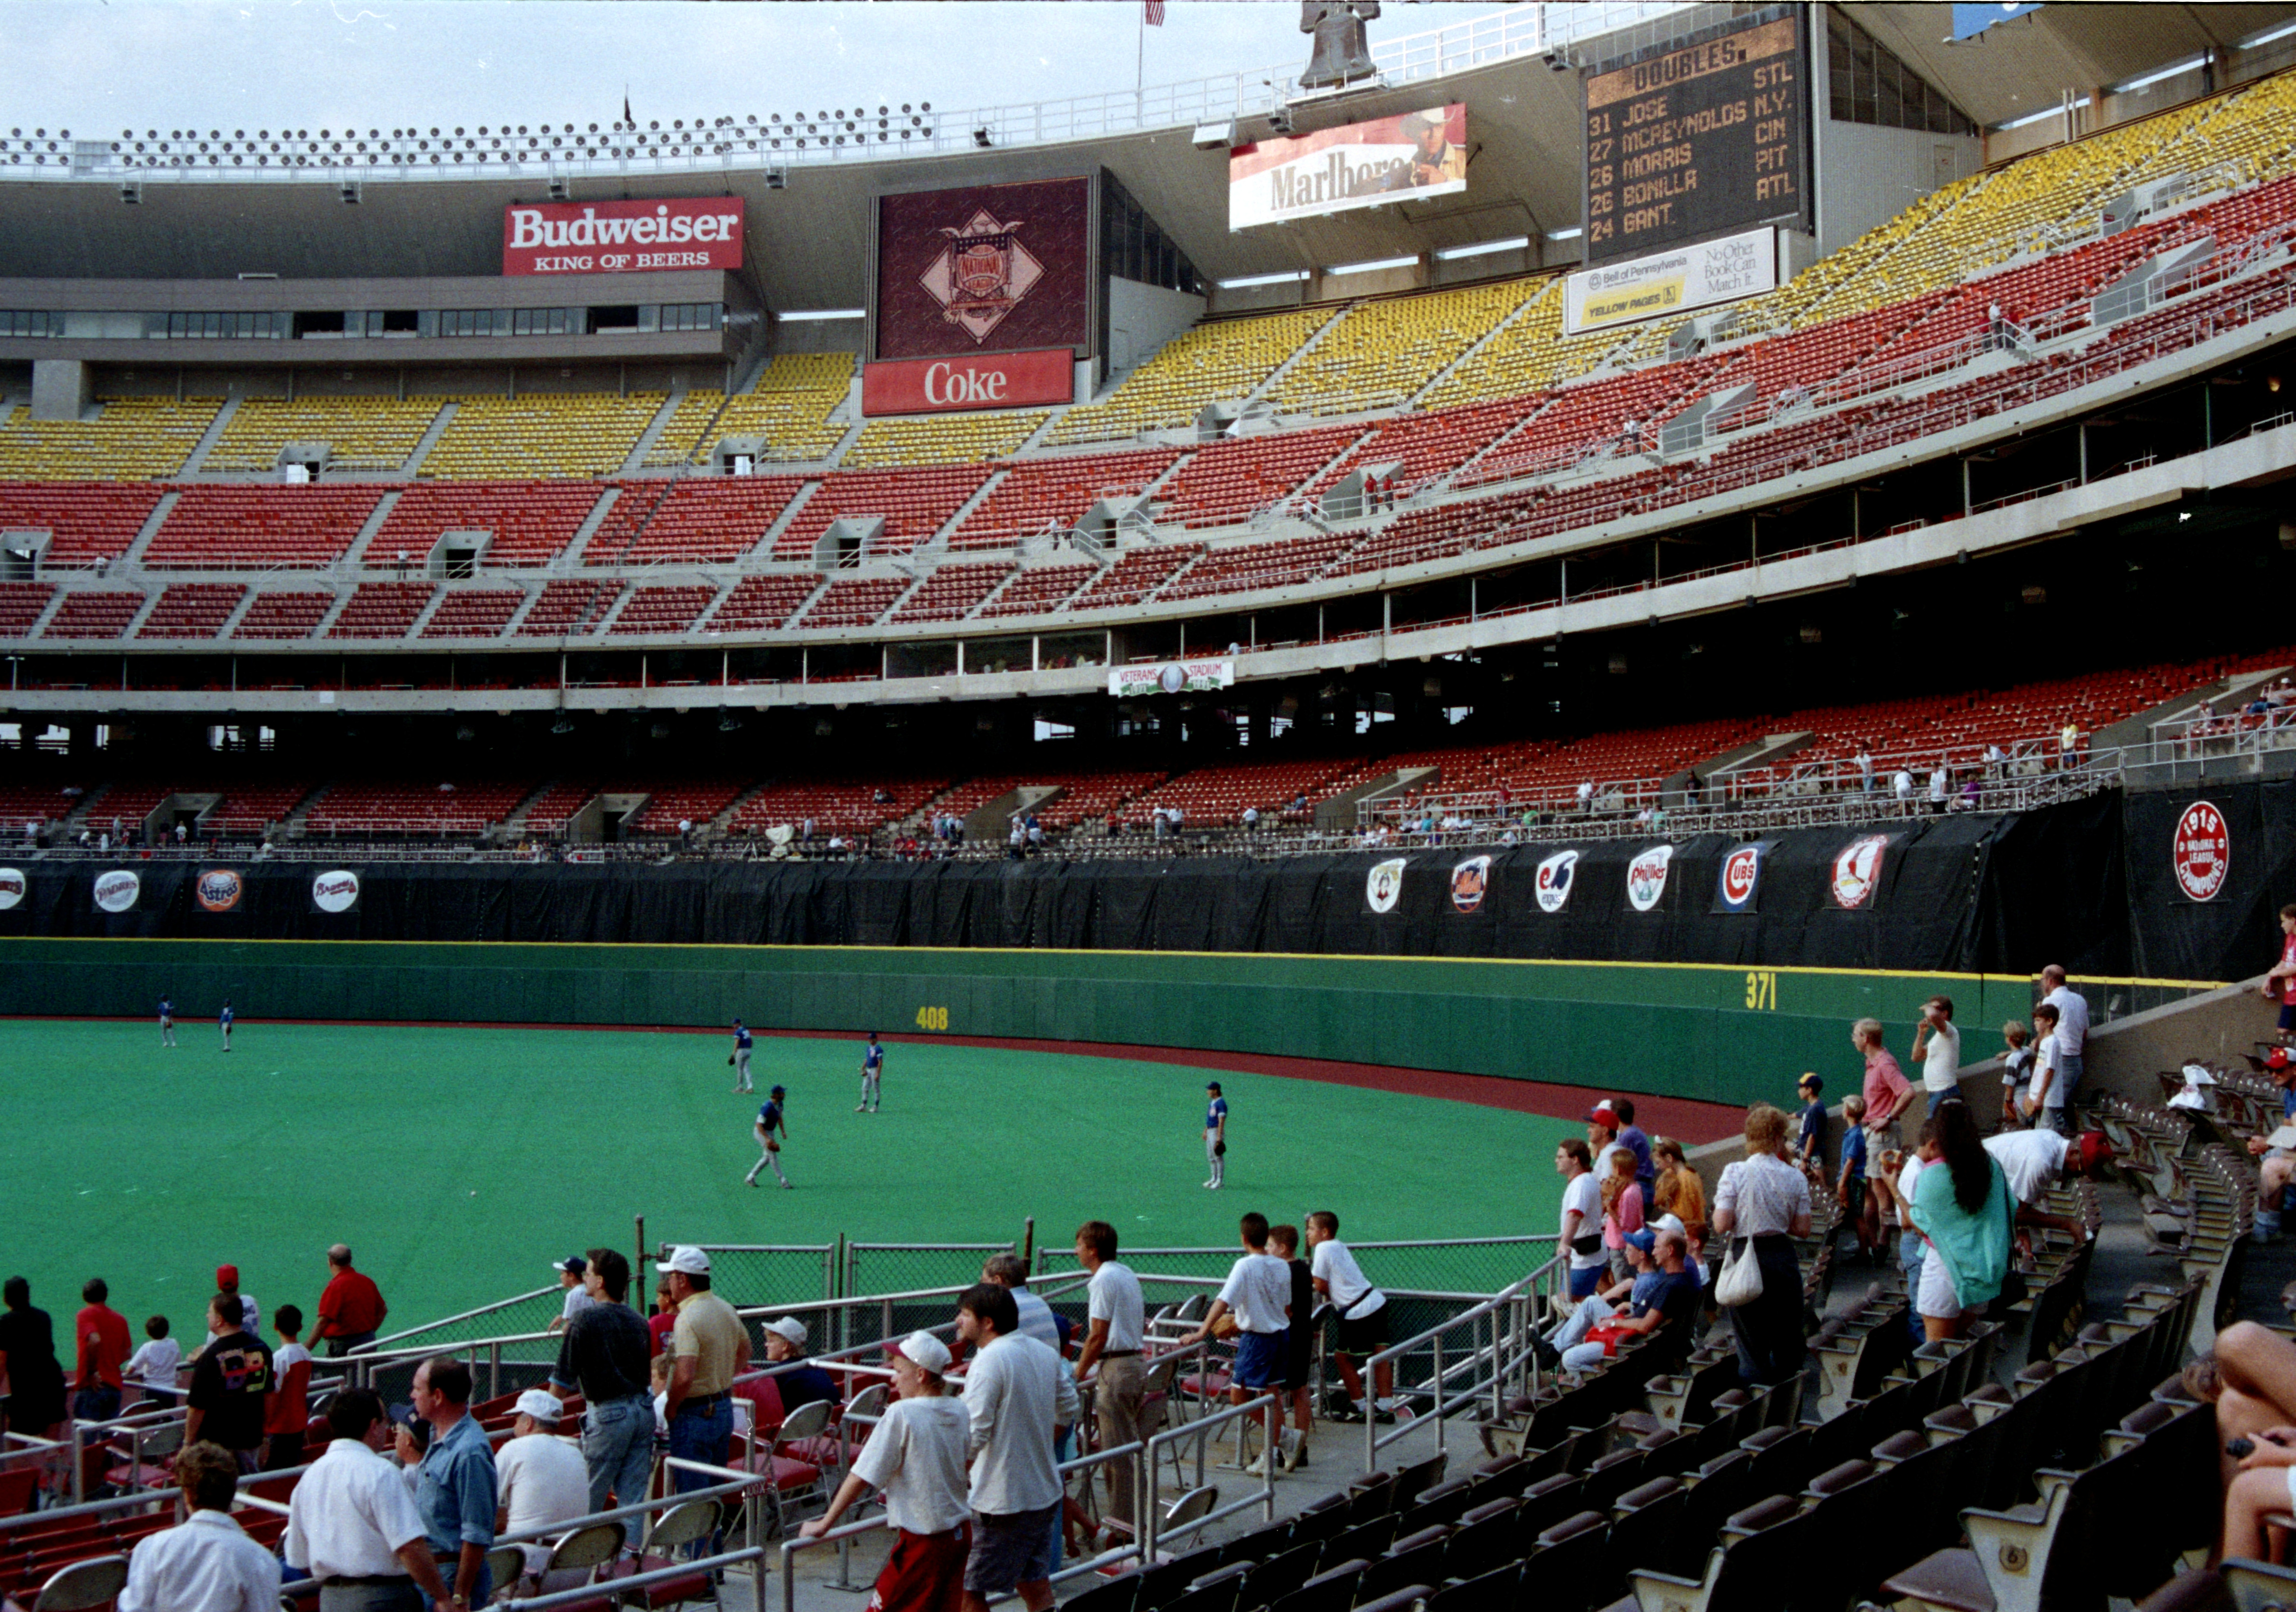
{"type": "Point", "coordinates": [1964, 892]}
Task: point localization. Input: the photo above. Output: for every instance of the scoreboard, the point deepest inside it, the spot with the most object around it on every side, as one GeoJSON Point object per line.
{"type": "Point", "coordinates": [1689, 141]}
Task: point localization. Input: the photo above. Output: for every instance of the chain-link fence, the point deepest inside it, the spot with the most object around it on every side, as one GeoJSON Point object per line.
{"type": "Point", "coordinates": [1480, 1265]}
{"type": "Point", "coordinates": [906, 1267]}
{"type": "Point", "coordinates": [746, 1275]}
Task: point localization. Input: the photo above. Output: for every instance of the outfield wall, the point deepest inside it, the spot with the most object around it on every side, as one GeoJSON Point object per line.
{"type": "Point", "coordinates": [1721, 1034]}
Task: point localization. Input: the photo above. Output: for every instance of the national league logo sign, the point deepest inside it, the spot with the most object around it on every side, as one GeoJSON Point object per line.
{"type": "Point", "coordinates": [1552, 885]}
{"type": "Point", "coordinates": [1647, 877]}
{"type": "Point", "coordinates": [1384, 885]}
{"type": "Point", "coordinates": [2201, 851]}
{"type": "Point", "coordinates": [981, 274]}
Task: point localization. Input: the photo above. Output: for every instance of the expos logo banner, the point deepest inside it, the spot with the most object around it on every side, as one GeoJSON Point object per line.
{"type": "Point", "coordinates": [1647, 877]}
{"type": "Point", "coordinates": [2201, 851]}
{"type": "Point", "coordinates": [1552, 885]}
{"type": "Point", "coordinates": [12, 888]}
{"type": "Point", "coordinates": [116, 891]}
{"type": "Point", "coordinates": [1471, 881]}
{"type": "Point", "coordinates": [1858, 871]}
{"type": "Point", "coordinates": [1384, 885]}
{"type": "Point", "coordinates": [1740, 877]}
{"type": "Point", "coordinates": [218, 889]}
{"type": "Point", "coordinates": [336, 891]}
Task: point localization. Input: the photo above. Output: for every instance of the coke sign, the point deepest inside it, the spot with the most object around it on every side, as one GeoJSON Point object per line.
{"type": "Point", "coordinates": [985, 381]}
{"type": "Point", "coordinates": [622, 237]}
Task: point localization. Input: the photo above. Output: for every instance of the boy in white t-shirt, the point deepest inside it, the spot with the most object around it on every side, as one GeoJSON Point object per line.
{"type": "Point", "coordinates": [1582, 1218]}
{"type": "Point", "coordinates": [1339, 1282]}
{"type": "Point", "coordinates": [153, 1364]}
{"type": "Point", "coordinates": [917, 1456]}
{"type": "Point", "coordinates": [2044, 1102]}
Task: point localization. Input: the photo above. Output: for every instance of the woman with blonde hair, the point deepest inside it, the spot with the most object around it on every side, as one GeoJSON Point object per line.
{"type": "Point", "coordinates": [1679, 1193]}
{"type": "Point", "coordinates": [1622, 1210]}
{"type": "Point", "coordinates": [1762, 1202]}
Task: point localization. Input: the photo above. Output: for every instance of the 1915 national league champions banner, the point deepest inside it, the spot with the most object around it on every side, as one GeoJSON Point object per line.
{"type": "Point", "coordinates": [1401, 158]}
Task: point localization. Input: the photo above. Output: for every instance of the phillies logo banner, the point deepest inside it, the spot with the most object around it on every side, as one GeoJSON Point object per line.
{"type": "Point", "coordinates": [1740, 879]}
{"type": "Point", "coordinates": [986, 268]}
{"type": "Point", "coordinates": [1646, 878]}
{"type": "Point", "coordinates": [622, 237]}
{"type": "Point", "coordinates": [937, 386]}
{"type": "Point", "coordinates": [1403, 159]}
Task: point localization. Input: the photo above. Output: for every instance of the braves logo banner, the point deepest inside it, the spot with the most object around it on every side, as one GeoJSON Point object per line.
{"type": "Point", "coordinates": [939, 386]}
{"type": "Point", "coordinates": [986, 268]}
{"type": "Point", "coordinates": [1401, 158]}
{"type": "Point", "coordinates": [1856, 881]}
{"type": "Point", "coordinates": [622, 237]}
{"type": "Point", "coordinates": [1384, 885]}
{"type": "Point", "coordinates": [2201, 852]}
{"type": "Point", "coordinates": [1471, 881]}
{"type": "Point", "coordinates": [1553, 884]}
{"type": "Point", "coordinates": [1646, 878]}
{"type": "Point", "coordinates": [335, 891]}
{"type": "Point", "coordinates": [1740, 880]}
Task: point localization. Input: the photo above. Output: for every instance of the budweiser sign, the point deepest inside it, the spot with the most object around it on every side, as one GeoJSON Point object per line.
{"type": "Point", "coordinates": [622, 237]}
{"type": "Point", "coordinates": [985, 381]}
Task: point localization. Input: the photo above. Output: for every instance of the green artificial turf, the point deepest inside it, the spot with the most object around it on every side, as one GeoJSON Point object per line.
{"type": "Point", "coordinates": [460, 1162]}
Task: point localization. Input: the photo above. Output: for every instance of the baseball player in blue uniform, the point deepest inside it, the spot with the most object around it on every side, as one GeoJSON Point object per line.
{"type": "Point", "coordinates": [1215, 1134]}
{"type": "Point", "coordinates": [223, 1019]}
{"type": "Point", "coordinates": [166, 1022]}
{"type": "Point", "coordinates": [873, 1070]}
{"type": "Point", "coordinates": [769, 1126]}
{"type": "Point", "coordinates": [739, 1057]}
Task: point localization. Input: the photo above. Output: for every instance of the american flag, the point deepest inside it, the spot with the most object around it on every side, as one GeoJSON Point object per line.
{"type": "Point", "coordinates": [1153, 12]}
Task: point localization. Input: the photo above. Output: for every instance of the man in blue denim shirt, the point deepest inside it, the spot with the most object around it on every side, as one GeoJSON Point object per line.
{"type": "Point", "coordinates": [456, 1492]}
{"type": "Point", "coordinates": [603, 1356]}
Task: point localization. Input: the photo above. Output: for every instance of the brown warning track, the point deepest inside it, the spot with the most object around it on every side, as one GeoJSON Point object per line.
{"type": "Point", "coordinates": [1686, 1118]}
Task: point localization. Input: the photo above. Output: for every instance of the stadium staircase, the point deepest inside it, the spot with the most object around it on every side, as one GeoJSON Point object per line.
{"type": "Point", "coordinates": [205, 444]}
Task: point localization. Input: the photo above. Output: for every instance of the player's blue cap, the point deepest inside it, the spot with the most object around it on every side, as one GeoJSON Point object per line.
{"type": "Point", "coordinates": [778, 1091]}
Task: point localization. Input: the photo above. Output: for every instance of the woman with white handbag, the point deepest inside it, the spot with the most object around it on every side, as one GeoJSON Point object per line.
{"type": "Point", "coordinates": [1760, 1206]}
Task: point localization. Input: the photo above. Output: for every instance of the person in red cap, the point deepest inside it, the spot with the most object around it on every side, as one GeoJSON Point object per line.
{"type": "Point", "coordinates": [917, 1457]}
{"type": "Point", "coordinates": [2034, 1161]}
{"type": "Point", "coordinates": [2280, 984]}
{"type": "Point", "coordinates": [228, 1284]}
{"type": "Point", "coordinates": [2275, 1166]}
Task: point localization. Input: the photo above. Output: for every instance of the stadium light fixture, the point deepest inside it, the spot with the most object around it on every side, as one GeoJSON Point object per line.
{"type": "Point", "coordinates": [2042, 116]}
{"type": "Point", "coordinates": [1214, 136]}
{"type": "Point", "coordinates": [1572, 234]}
{"type": "Point", "coordinates": [1245, 283]}
{"type": "Point", "coordinates": [804, 315]}
{"type": "Point", "coordinates": [562, 190]}
{"type": "Point", "coordinates": [1483, 249]}
{"type": "Point", "coordinates": [2131, 85]}
{"type": "Point", "coordinates": [2269, 37]}
{"type": "Point", "coordinates": [1373, 265]}
{"type": "Point", "coordinates": [131, 190]}
{"type": "Point", "coordinates": [981, 138]}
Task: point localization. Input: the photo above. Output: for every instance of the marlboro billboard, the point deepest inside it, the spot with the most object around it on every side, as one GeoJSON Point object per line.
{"type": "Point", "coordinates": [1401, 158]}
{"type": "Point", "coordinates": [622, 237]}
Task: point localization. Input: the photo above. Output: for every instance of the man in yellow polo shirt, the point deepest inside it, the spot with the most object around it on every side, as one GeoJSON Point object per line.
{"type": "Point", "coordinates": [709, 1349]}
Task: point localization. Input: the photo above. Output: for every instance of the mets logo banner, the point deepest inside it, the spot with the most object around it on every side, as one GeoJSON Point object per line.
{"type": "Point", "coordinates": [1384, 885]}
{"type": "Point", "coordinates": [1740, 879]}
{"type": "Point", "coordinates": [1471, 881]}
{"type": "Point", "coordinates": [1402, 159]}
{"type": "Point", "coordinates": [986, 268]}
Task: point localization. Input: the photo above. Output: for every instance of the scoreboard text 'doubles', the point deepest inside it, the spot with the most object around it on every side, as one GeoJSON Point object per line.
{"type": "Point", "coordinates": [1697, 140]}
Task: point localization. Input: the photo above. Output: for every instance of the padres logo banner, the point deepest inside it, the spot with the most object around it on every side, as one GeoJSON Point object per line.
{"type": "Point", "coordinates": [1384, 885]}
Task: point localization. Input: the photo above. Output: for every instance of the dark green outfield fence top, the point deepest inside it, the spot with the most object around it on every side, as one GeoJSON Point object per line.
{"type": "Point", "coordinates": [1719, 1033]}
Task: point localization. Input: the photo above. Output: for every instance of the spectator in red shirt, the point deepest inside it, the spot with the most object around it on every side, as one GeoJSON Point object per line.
{"type": "Point", "coordinates": [663, 1322]}
{"type": "Point", "coordinates": [1888, 1094]}
{"type": "Point", "coordinates": [351, 1310]}
{"type": "Point", "coordinates": [287, 1406]}
{"type": "Point", "coordinates": [104, 1348]}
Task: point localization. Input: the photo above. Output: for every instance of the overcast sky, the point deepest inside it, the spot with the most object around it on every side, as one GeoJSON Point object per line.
{"type": "Point", "coordinates": [99, 66]}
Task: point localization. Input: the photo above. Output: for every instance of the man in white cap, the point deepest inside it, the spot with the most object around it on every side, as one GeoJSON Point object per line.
{"type": "Point", "coordinates": [917, 1457]}
{"type": "Point", "coordinates": [542, 1479]}
{"type": "Point", "coordinates": [800, 1384]}
{"type": "Point", "coordinates": [708, 1348]}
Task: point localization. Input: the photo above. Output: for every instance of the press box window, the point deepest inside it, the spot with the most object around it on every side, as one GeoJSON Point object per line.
{"type": "Point", "coordinates": [542, 321]}
{"type": "Point", "coordinates": [690, 315]}
{"type": "Point", "coordinates": [222, 327]}
{"type": "Point", "coordinates": [466, 322]}
{"type": "Point", "coordinates": [24, 324]}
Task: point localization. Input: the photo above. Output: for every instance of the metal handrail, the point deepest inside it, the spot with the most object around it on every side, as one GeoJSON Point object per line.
{"type": "Point", "coordinates": [1200, 1429]}
{"type": "Point", "coordinates": [1509, 1300]}
{"type": "Point", "coordinates": [448, 1321]}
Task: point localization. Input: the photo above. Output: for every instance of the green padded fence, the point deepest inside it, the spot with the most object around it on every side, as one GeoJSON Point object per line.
{"type": "Point", "coordinates": [1704, 1031]}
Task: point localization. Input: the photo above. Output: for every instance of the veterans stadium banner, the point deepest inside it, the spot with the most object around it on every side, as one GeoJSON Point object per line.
{"type": "Point", "coordinates": [984, 268]}
{"type": "Point", "coordinates": [1171, 677]}
{"type": "Point", "coordinates": [622, 237]}
{"type": "Point", "coordinates": [985, 381]}
{"type": "Point", "coordinates": [1676, 282]}
{"type": "Point", "coordinates": [1401, 158]}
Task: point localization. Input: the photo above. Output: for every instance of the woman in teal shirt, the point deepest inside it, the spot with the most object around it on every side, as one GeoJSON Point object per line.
{"type": "Point", "coordinates": [1963, 1205]}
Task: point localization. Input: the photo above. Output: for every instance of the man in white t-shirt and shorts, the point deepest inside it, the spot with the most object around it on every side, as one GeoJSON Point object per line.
{"type": "Point", "coordinates": [2034, 1161]}
{"type": "Point", "coordinates": [1937, 1048]}
{"type": "Point", "coordinates": [1257, 1292]}
{"type": "Point", "coordinates": [1339, 1282]}
{"type": "Point", "coordinates": [917, 1456]}
{"type": "Point", "coordinates": [1116, 1332]}
{"type": "Point", "coordinates": [1582, 1218]}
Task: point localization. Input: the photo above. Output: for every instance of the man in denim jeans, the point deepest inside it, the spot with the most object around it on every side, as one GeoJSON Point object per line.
{"type": "Point", "coordinates": [603, 1357]}
{"type": "Point", "coordinates": [708, 1348]}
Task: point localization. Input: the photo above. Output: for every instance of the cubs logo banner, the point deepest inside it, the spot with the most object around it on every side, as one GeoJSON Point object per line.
{"type": "Point", "coordinates": [116, 891]}
{"type": "Point", "coordinates": [2201, 852]}
{"type": "Point", "coordinates": [1471, 881]}
{"type": "Point", "coordinates": [12, 888]}
{"type": "Point", "coordinates": [984, 268]}
{"type": "Point", "coordinates": [1646, 878]}
{"type": "Point", "coordinates": [1384, 885]}
{"type": "Point", "coordinates": [218, 889]}
{"type": "Point", "coordinates": [1857, 880]}
{"type": "Point", "coordinates": [335, 891]}
{"type": "Point", "coordinates": [1740, 879]}
{"type": "Point", "coordinates": [1552, 885]}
